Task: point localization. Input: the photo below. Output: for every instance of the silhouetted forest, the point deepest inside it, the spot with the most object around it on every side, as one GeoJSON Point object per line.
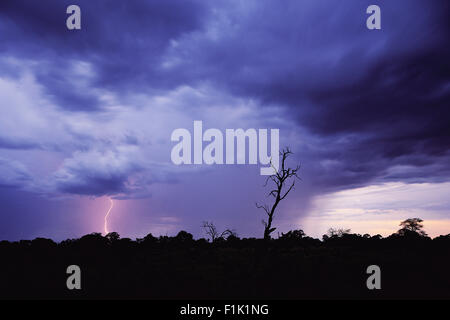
{"type": "Point", "coordinates": [292, 266]}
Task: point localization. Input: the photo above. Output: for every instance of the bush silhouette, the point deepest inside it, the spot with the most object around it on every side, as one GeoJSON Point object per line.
{"type": "Point", "coordinates": [292, 266]}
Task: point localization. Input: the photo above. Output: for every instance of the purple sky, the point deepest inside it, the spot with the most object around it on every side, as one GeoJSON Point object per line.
{"type": "Point", "coordinates": [88, 114]}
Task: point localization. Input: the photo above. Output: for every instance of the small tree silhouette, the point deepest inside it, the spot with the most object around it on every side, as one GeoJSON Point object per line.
{"type": "Point", "coordinates": [112, 237]}
{"type": "Point", "coordinates": [214, 235]}
{"type": "Point", "coordinates": [412, 225]}
{"type": "Point", "coordinates": [184, 236]}
{"type": "Point", "coordinates": [293, 235]}
{"type": "Point", "coordinates": [340, 232]}
{"type": "Point", "coordinates": [333, 233]}
{"type": "Point", "coordinates": [280, 179]}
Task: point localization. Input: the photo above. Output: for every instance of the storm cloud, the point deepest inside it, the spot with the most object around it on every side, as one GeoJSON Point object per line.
{"type": "Point", "coordinates": [90, 112]}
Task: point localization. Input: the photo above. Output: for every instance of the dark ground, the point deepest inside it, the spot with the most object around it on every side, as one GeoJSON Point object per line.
{"type": "Point", "coordinates": [293, 267]}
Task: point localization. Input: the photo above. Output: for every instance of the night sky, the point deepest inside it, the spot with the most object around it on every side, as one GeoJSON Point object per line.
{"type": "Point", "coordinates": [87, 115]}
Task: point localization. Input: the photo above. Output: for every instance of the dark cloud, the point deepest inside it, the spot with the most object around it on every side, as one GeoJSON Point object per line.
{"type": "Point", "coordinates": [98, 174]}
{"type": "Point", "coordinates": [123, 41]}
{"type": "Point", "coordinates": [396, 116]}
{"type": "Point", "coordinates": [20, 144]}
{"type": "Point", "coordinates": [373, 99]}
{"type": "Point", "coordinates": [372, 106]}
{"type": "Point", "coordinates": [13, 174]}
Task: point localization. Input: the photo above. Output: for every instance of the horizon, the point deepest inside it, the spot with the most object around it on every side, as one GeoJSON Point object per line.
{"type": "Point", "coordinates": [205, 236]}
{"type": "Point", "coordinates": [88, 116]}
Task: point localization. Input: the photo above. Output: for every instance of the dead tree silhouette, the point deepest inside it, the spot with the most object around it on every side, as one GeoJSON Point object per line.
{"type": "Point", "coordinates": [214, 235]}
{"type": "Point", "coordinates": [280, 178]}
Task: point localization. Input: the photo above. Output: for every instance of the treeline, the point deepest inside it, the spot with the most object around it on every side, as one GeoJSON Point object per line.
{"type": "Point", "coordinates": [294, 237]}
{"type": "Point", "coordinates": [293, 266]}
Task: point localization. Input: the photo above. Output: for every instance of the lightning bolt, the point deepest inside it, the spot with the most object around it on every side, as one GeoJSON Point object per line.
{"type": "Point", "coordinates": [106, 216]}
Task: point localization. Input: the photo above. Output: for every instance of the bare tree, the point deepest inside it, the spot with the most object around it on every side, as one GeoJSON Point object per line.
{"type": "Point", "coordinates": [214, 235]}
{"type": "Point", "coordinates": [280, 179]}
